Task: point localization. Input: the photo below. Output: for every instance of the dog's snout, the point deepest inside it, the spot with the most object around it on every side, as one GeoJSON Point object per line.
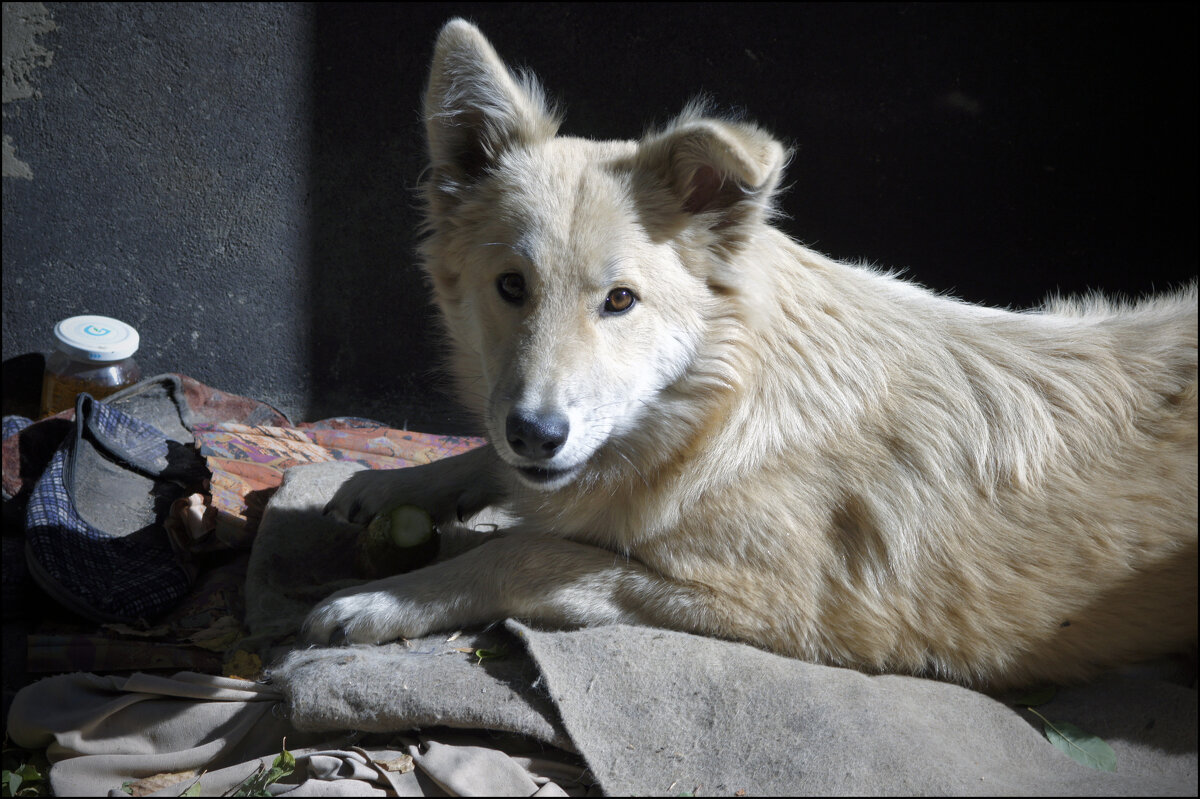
{"type": "Point", "coordinates": [536, 435]}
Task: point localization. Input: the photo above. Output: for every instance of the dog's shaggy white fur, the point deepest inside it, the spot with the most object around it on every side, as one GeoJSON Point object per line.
{"type": "Point", "coordinates": [703, 425]}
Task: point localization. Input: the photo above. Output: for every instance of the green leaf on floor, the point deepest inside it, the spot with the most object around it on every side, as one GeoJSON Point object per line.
{"type": "Point", "coordinates": [256, 784]}
{"type": "Point", "coordinates": [24, 772]}
{"type": "Point", "coordinates": [1081, 746]}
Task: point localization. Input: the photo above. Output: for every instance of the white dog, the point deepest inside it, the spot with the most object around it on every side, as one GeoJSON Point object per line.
{"type": "Point", "coordinates": [702, 425]}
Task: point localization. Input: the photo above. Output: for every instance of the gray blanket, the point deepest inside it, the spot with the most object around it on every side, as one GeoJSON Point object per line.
{"type": "Point", "coordinates": [657, 712]}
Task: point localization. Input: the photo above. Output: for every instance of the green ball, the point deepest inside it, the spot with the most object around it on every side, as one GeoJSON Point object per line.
{"type": "Point", "coordinates": [396, 541]}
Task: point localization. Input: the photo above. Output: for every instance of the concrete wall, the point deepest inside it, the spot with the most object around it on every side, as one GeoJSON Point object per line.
{"type": "Point", "coordinates": [236, 180]}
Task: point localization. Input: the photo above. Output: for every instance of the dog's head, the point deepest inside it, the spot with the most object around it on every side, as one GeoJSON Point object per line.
{"type": "Point", "coordinates": [585, 285]}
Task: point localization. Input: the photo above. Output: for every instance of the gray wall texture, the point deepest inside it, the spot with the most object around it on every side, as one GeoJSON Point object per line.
{"type": "Point", "coordinates": [237, 180]}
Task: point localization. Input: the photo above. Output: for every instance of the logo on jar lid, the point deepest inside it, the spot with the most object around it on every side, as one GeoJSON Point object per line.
{"type": "Point", "coordinates": [96, 338]}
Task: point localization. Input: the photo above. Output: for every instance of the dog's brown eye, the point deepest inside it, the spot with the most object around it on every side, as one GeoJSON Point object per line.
{"type": "Point", "coordinates": [619, 301]}
{"type": "Point", "coordinates": [511, 287]}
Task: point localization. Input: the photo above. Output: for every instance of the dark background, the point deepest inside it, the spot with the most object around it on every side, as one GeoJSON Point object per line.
{"type": "Point", "coordinates": [237, 180]}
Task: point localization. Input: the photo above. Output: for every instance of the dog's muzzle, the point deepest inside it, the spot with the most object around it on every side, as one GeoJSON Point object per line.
{"type": "Point", "coordinates": [536, 438]}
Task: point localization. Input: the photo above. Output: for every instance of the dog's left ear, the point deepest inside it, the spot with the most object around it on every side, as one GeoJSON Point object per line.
{"type": "Point", "coordinates": [723, 174]}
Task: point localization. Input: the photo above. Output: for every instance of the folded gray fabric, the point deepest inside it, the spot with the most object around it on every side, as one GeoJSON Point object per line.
{"type": "Point", "coordinates": [433, 682]}
{"type": "Point", "coordinates": [168, 733]}
{"type": "Point", "coordinates": [659, 712]}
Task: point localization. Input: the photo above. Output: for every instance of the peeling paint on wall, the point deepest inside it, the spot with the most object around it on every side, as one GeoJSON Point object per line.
{"type": "Point", "coordinates": [22, 56]}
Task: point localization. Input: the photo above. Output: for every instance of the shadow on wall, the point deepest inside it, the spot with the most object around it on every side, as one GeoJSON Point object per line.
{"type": "Point", "coordinates": [373, 324]}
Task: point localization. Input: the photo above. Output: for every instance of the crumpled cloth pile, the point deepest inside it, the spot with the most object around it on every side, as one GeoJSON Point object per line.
{"type": "Point", "coordinates": [618, 709]}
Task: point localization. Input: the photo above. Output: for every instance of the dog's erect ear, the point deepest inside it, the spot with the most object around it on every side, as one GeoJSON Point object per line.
{"type": "Point", "coordinates": [475, 108]}
{"type": "Point", "coordinates": [722, 173]}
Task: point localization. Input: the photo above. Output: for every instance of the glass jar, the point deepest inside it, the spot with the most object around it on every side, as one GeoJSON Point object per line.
{"type": "Point", "coordinates": [93, 354]}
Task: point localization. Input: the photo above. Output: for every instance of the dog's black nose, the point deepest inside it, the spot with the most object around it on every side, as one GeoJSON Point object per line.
{"type": "Point", "coordinates": [536, 435]}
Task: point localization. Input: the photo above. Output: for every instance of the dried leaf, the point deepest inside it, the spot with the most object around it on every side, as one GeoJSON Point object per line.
{"type": "Point", "coordinates": [401, 765]}
{"type": "Point", "coordinates": [243, 665]}
{"type": "Point", "coordinates": [157, 782]}
{"type": "Point", "coordinates": [218, 636]}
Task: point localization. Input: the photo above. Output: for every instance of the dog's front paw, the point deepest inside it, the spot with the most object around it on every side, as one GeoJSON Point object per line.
{"type": "Point", "coordinates": [359, 616]}
{"type": "Point", "coordinates": [366, 494]}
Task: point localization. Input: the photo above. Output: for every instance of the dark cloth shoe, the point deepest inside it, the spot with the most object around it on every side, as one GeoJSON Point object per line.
{"type": "Point", "coordinates": [95, 540]}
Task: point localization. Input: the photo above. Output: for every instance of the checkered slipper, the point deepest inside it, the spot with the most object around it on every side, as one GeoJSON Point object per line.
{"type": "Point", "coordinates": [15, 424]}
{"type": "Point", "coordinates": [94, 535]}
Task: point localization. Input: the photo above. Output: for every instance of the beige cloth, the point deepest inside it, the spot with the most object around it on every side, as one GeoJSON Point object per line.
{"type": "Point", "coordinates": [102, 732]}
